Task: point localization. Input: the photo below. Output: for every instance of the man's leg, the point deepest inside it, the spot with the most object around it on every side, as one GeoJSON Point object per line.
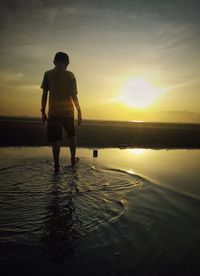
{"type": "Point", "coordinates": [72, 147]}
{"type": "Point", "coordinates": [56, 153]}
{"type": "Point", "coordinates": [70, 129]}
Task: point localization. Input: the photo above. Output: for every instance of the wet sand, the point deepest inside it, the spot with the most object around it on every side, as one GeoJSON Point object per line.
{"type": "Point", "coordinates": [30, 132]}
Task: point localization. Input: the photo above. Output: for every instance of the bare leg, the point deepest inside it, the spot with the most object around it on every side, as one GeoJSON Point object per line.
{"type": "Point", "coordinates": [72, 147]}
{"type": "Point", "coordinates": [56, 153]}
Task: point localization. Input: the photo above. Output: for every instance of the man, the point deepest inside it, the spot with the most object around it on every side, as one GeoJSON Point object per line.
{"type": "Point", "coordinates": [62, 88]}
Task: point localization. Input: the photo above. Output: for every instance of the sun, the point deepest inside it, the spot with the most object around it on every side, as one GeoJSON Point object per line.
{"type": "Point", "coordinates": [138, 93]}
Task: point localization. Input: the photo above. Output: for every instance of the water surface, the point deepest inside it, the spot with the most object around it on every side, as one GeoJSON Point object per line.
{"type": "Point", "coordinates": [127, 212]}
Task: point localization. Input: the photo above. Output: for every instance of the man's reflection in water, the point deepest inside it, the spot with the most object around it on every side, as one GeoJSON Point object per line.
{"type": "Point", "coordinates": [61, 229]}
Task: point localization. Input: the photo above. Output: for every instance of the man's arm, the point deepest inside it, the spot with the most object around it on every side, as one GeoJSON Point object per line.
{"type": "Point", "coordinates": [76, 103]}
{"type": "Point", "coordinates": [43, 105]}
{"type": "Point", "coordinates": [45, 87]}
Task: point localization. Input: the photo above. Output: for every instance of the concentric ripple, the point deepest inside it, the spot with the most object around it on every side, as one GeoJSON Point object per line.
{"type": "Point", "coordinates": [38, 206]}
{"type": "Point", "coordinates": [92, 219]}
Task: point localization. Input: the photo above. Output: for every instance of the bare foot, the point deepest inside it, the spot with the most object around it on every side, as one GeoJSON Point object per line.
{"type": "Point", "coordinates": [74, 161]}
{"type": "Point", "coordinates": [56, 168]}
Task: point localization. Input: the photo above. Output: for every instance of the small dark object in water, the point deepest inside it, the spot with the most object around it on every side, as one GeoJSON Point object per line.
{"type": "Point", "coordinates": [95, 153]}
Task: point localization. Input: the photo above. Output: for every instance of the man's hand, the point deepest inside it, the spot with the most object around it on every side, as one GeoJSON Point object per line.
{"type": "Point", "coordinates": [79, 118]}
{"type": "Point", "coordinates": [44, 117]}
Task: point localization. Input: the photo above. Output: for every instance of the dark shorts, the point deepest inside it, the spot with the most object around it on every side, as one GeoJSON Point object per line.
{"type": "Point", "coordinates": [56, 125]}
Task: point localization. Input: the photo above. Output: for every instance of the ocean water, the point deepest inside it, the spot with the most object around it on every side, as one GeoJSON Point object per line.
{"type": "Point", "coordinates": [127, 212]}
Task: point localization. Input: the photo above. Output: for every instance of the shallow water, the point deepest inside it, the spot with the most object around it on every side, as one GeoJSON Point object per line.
{"type": "Point", "coordinates": [127, 212]}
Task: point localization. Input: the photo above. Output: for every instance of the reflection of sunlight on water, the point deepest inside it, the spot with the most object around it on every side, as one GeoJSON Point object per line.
{"type": "Point", "coordinates": [136, 151]}
{"type": "Point", "coordinates": [137, 121]}
{"type": "Point", "coordinates": [131, 172]}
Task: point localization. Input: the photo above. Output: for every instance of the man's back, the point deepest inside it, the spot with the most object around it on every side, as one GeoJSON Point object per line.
{"type": "Point", "coordinates": [61, 85]}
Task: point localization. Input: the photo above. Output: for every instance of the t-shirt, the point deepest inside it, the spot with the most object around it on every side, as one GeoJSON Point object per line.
{"type": "Point", "coordinates": [61, 85]}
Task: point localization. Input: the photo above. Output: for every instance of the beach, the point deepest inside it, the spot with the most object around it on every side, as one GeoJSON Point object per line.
{"type": "Point", "coordinates": [126, 212]}
{"type": "Point", "coordinates": [25, 131]}
{"type": "Point", "coordinates": [133, 210]}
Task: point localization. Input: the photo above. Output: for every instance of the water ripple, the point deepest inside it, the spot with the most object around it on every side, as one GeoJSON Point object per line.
{"type": "Point", "coordinates": [90, 207]}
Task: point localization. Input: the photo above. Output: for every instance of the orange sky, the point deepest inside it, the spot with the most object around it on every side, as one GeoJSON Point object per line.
{"type": "Point", "coordinates": [111, 46]}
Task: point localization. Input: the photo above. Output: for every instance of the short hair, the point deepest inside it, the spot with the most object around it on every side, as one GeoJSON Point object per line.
{"type": "Point", "coordinates": [61, 57]}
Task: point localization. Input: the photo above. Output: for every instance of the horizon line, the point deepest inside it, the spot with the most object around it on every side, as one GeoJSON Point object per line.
{"type": "Point", "coordinates": [107, 120]}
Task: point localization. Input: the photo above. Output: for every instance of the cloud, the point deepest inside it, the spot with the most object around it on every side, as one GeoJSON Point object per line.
{"type": "Point", "coordinates": [29, 87]}
{"type": "Point", "coordinates": [16, 82]}
{"type": "Point", "coordinates": [180, 112]}
{"type": "Point", "coordinates": [7, 76]}
{"type": "Point", "coordinates": [179, 85]}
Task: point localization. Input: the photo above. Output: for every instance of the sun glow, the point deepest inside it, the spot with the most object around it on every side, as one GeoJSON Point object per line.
{"type": "Point", "coordinates": [139, 93]}
{"type": "Point", "coordinates": [136, 151]}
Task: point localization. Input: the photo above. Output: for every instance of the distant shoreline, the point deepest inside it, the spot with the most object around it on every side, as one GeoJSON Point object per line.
{"type": "Point", "coordinates": [38, 119]}
{"type": "Point", "coordinates": [104, 134]}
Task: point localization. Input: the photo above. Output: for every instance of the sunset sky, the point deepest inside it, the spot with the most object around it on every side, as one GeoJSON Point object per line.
{"type": "Point", "coordinates": [133, 60]}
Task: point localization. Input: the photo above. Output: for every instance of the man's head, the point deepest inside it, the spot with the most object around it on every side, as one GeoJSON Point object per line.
{"type": "Point", "coordinates": [61, 59]}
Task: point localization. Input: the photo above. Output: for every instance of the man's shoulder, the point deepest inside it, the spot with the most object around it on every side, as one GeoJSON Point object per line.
{"type": "Point", "coordinates": [70, 74]}
{"type": "Point", "coordinates": [50, 71]}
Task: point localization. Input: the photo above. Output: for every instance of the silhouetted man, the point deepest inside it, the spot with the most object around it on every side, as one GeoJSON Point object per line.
{"type": "Point", "coordinates": [62, 88]}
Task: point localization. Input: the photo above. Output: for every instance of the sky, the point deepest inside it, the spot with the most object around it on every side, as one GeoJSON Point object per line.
{"type": "Point", "coordinates": [136, 60]}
